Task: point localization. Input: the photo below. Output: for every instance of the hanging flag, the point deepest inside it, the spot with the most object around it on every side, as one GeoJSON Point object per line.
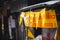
{"type": "Point", "coordinates": [50, 20]}
{"type": "Point", "coordinates": [42, 19]}
{"type": "Point", "coordinates": [21, 17]}
{"type": "Point", "coordinates": [43, 16]}
{"type": "Point", "coordinates": [26, 18]}
{"type": "Point", "coordinates": [34, 21]}
{"type": "Point", "coordinates": [30, 35]}
{"type": "Point", "coordinates": [31, 18]}
{"type": "Point", "coordinates": [37, 14]}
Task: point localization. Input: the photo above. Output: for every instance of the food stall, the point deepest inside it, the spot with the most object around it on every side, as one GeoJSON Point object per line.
{"type": "Point", "coordinates": [39, 16]}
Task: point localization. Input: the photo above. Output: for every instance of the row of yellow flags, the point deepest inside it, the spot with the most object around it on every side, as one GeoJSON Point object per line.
{"type": "Point", "coordinates": [41, 19]}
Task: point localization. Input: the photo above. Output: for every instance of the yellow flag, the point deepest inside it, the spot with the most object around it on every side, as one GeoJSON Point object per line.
{"type": "Point", "coordinates": [27, 22]}
{"type": "Point", "coordinates": [51, 21]}
{"type": "Point", "coordinates": [21, 18]}
{"type": "Point", "coordinates": [30, 35]}
{"type": "Point", "coordinates": [37, 14]}
{"type": "Point", "coordinates": [42, 19]}
{"type": "Point", "coordinates": [31, 18]}
{"type": "Point", "coordinates": [43, 16]}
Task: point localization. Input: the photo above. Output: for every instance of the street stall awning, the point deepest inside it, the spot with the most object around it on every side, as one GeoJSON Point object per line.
{"type": "Point", "coordinates": [41, 19]}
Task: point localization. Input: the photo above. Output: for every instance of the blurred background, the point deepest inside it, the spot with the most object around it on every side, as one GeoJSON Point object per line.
{"type": "Point", "coordinates": [9, 17]}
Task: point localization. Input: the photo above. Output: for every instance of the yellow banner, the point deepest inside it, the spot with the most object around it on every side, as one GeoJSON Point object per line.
{"type": "Point", "coordinates": [42, 19]}
{"type": "Point", "coordinates": [30, 34]}
{"type": "Point", "coordinates": [51, 21]}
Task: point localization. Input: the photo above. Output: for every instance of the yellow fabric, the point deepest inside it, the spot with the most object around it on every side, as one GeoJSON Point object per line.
{"type": "Point", "coordinates": [30, 35]}
{"type": "Point", "coordinates": [50, 20]}
{"type": "Point", "coordinates": [42, 19]}
{"type": "Point", "coordinates": [21, 17]}
{"type": "Point", "coordinates": [31, 18]}
{"type": "Point", "coordinates": [20, 20]}
{"type": "Point", "coordinates": [27, 18]}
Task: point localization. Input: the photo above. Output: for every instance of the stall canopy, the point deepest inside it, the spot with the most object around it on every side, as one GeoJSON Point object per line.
{"type": "Point", "coordinates": [41, 19]}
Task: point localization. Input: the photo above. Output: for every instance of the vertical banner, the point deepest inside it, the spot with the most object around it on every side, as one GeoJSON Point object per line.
{"type": "Point", "coordinates": [26, 19]}
{"type": "Point", "coordinates": [43, 16]}
{"type": "Point", "coordinates": [37, 14]}
{"type": "Point", "coordinates": [31, 18]}
{"type": "Point", "coordinates": [21, 17]}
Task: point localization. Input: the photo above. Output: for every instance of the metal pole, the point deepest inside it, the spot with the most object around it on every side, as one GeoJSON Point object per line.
{"type": "Point", "coordinates": [39, 5]}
